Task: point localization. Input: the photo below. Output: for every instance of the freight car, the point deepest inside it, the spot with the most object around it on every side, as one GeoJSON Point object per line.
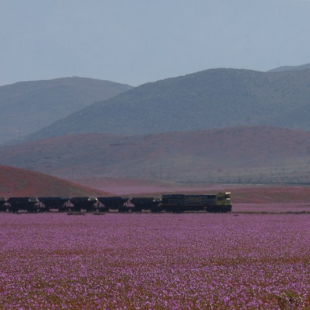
{"type": "Point", "coordinates": [145, 203]}
{"type": "Point", "coordinates": [30, 204]}
{"type": "Point", "coordinates": [113, 203]}
{"type": "Point", "coordinates": [178, 203]}
{"type": "Point", "coordinates": [77, 204]}
{"type": "Point", "coordinates": [54, 203]}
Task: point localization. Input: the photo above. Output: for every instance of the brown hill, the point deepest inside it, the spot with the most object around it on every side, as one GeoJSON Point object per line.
{"type": "Point", "coordinates": [233, 155]}
{"type": "Point", "coordinates": [21, 182]}
{"type": "Point", "coordinates": [28, 106]}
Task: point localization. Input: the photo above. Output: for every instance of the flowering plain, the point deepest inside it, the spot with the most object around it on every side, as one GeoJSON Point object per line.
{"type": "Point", "coordinates": [155, 261]}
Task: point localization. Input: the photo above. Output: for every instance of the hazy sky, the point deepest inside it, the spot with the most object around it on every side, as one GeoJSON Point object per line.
{"type": "Point", "coordinates": [138, 41]}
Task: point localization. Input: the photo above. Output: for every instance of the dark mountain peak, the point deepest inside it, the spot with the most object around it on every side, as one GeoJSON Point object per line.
{"type": "Point", "coordinates": [291, 68]}
{"type": "Point", "coordinates": [61, 80]}
{"type": "Point", "coordinates": [29, 106]}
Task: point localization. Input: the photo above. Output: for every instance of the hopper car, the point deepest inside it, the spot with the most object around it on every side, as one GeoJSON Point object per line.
{"type": "Point", "coordinates": [50, 203]}
{"type": "Point", "coordinates": [29, 204]}
{"type": "Point", "coordinates": [145, 203]}
{"type": "Point", "coordinates": [77, 204]}
{"type": "Point", "coordinates": [113, 203]}
{"type": "Point", "coordinates": [126, 204]}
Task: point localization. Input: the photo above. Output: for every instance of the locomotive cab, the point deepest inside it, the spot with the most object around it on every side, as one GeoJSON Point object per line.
{"type": "Point", "coordinates": [222, 204]}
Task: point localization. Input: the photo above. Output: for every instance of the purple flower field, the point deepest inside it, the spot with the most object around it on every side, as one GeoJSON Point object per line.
{"type": "Point", "coordinates": [154, 261]}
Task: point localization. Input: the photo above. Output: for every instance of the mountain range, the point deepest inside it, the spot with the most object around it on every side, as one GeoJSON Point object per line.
{"type": "Point", "coordinates": [214, 126]}
{"type": "Point", "coordinates": [29, 106]}
{"type": "Point", "coordinates": [215, 98]}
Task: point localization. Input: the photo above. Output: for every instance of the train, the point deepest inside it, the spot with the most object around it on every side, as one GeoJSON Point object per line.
{"type": "Point", "coordinates": [168, 203]}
